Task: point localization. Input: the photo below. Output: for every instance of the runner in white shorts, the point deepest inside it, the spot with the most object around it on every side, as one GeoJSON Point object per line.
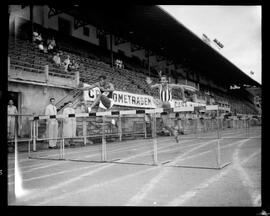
{"type": "Point", "coordinates": [165, 96]}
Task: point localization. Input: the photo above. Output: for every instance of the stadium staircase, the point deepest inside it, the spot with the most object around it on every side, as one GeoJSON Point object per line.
{"type": "Point", "coordinates": [74, 97]}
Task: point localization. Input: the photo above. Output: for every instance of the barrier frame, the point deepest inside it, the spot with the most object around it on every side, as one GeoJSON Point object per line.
{"type": "Point", "coordinates": [153, 113]}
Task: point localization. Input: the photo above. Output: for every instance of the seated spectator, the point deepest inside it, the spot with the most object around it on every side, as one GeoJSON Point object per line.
{"type": "Point", "coordinates": [37, 38]}
{"type": "Point", "coordinates": [66, 63]}
{"type": "Point", "coordinates": [42, 48]}
{"type": "Point", "coordinates": [51, 45]}
{"type": "Point", "coordinates": [73, 66]}
{"type": "Point", "coordinates": [121, 64]}
{"type": "Point", "coordinates": [212, 100]}
{"type": "Point", "coordinates": [35, 35]}
{"type": "Point", "coordinates": [117, 63]}
{"type": "Point", "coordinates": [57, 60]}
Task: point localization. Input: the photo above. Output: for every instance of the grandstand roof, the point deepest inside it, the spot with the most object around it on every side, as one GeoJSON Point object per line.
{"type": "Point", "coordinates": [151, 27]}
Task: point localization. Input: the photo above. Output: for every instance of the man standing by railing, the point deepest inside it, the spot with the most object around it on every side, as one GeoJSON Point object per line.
{"type": "Point", "coordinates": [52, 124]}
{"type": "Point", "coordinates": [12, 110]}
{"type": "Point", "coordinates": [69, 125]}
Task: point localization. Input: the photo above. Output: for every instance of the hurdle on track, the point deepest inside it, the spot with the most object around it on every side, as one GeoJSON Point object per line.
{"type": "Point", "coordinates": [153, 112]}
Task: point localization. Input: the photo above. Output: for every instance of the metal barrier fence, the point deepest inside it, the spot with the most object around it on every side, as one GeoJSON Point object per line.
{"type": "Point", "coordinates": [129, 123]}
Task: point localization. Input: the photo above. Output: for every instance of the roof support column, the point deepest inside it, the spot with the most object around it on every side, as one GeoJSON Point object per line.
{"type": "Point", "coordinates": [111, 49]}
{"type": "Point", "coordinates": [148, 59]}
{"type": "Point", "coordinates": [31, 21]}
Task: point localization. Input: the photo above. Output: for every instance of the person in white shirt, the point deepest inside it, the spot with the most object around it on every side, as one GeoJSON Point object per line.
{"type": "Point", "coordinates": [11, 119]}
{"type": "Point", "coordinates": [69, 125]}
{"type": "Point", "coordinates": [37, 37]}
{"type": "Point", "coordinates": [52, 124]}
{"type": "Point", "coordinates": [66, 63]}
{"type": "Point", "coordinates": [57, 60]}
{"type": "Point", "coordinates": [51, 44]}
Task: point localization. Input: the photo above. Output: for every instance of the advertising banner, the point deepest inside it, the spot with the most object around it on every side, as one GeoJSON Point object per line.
{"type": "Point", "coordinates": [122, 98]}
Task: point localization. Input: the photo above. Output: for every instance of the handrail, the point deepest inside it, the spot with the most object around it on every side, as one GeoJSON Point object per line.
{"type": "Point", "coordinates": [14, 61]}
{"type": "Point", "coordinates": [62, 74]}
{"type": "Point", "coordinates": [30, 68]}
{"type": "Point", "coordinates": [24, 62]}
{"type": "Point", "coordinates": [77, 95]}
{"type": "Point", "coordinates": [73, 93]}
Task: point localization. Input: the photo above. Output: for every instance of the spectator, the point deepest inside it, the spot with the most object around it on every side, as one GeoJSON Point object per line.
{"type": "Point", "coordinates": [73, 66]}
{"type": "Point", "coordinates": [69, 125]}
{"type": "Point", "coordinates": [51, 44]}
{"type": "Point", "coordinates": [37, 37]}
{"type": "Point", "coordinates": [212, 100]}
{"type": "Point", "coordinates": [117, 63]}
{"type": "Point", "coordinates": [66, 63]}
{"type": "Point", "coordinates": [121, 64]}
{"type": "Point", "coordinates": [52, 124]}
{"type": "Point", "coordinates": [11, 119]}
{"type": "Point", "coordinates": [57, 60]}
{"type": "Point", "coordinates": [42, 48]}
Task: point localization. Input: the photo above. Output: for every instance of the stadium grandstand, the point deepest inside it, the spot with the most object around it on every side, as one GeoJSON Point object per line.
{"type": "Point", "coordinates": [190, 138]}
{"type": "Point", "coordinates": [144, 38]}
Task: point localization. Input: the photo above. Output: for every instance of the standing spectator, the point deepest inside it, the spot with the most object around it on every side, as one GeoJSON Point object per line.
{"type": "Point", "coordinates": [57, 59]}
{"type": "Point", "coordinates": [66, 63]}
{"type": "Point", "coordinates": [69, 125]}
{"type": "Point", "coordinates": [11, 119]}
{"type": "Point", "coordinates": [52, 124]}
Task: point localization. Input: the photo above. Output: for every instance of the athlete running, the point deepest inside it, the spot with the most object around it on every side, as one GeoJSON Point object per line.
{"type": "Point", "coordinates": [165, 97]}
{"type": "Point", "coordinates": [106, 91]}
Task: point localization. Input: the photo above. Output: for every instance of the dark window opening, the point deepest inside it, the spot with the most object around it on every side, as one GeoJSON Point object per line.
{"type": "Point", "coordinates": [86, 31]}
{"type": "Point", "coordinates": [64, 26]}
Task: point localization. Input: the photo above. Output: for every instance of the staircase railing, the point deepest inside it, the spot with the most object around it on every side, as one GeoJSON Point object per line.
{"type": "Point", "coordinates": [73, 96]}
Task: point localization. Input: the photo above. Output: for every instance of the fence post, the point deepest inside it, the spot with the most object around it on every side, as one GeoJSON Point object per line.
{"type": "Point", "coordinates": [77, 78]}
{"type": "Point", "coordinates": [218, 154]}
{"type": "Point", "coordinates": [144, 127]}
{"type": "Point", "coordinates": [120, 128]}
{"type": "Point", "coordinates": [8, 64]}
{"type": "Point", "coordinates": [152, 126]}
{"type": "Point", "coordinates": [154, 133]}
{"type": "Point", "coordinates": [34, 135]}
{"type": "Point", "coordinates": [31, 138]}
{"type": "Point", "coordinates": [46, 72]}
{"type": "Point", "coordinates": [103, 150]}
{"type": "Point", "coordinates": [84, 131]}
{"type": "Point", "coordinates": [218, 142]}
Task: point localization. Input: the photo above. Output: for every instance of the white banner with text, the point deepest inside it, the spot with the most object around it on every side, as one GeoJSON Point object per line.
{"type": "Point", "coordinates": [122, 98]}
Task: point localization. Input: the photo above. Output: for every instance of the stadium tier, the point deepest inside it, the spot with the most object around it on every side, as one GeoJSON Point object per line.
{"type": "Point", "coordinates": [25, 56]}
{"type": "Point", "coordinates": [97, 52]}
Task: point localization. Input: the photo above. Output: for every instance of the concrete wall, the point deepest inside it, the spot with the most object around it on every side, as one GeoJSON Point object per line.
{"type": "Point", "coordinates": [34, 98]}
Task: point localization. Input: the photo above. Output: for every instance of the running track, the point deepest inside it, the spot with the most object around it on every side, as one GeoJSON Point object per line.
{"type": "Point", "coordinates": [69, 183]}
